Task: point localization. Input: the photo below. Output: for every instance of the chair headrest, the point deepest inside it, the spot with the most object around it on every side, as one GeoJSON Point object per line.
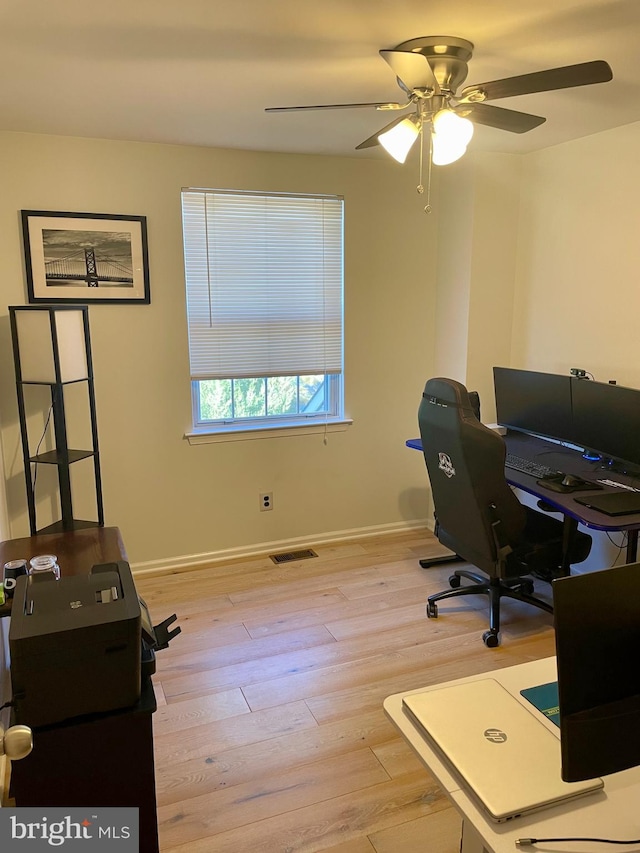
{"type": "Point", "coordinates": [449, 394]}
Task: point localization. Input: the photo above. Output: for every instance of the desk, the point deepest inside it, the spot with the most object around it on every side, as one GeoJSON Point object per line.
{"type": "Point", "coordinates": [611, 813]}
{"type": "Point", "coordinates": [569, 461]}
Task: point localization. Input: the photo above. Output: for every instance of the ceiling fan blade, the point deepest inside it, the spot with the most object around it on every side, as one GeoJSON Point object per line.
{"type": "Point", "coordinates": [515, 122]}
{"type": "Point", "coordinates": [373, 140]}
{"type": "Point", "coordinates": [412, 70]}
{"type": "Point", "coordinates": [382, 105]}
{"type": "Point", "coordinates": [583, 74]}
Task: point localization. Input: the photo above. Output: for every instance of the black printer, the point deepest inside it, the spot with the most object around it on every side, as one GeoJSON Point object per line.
{"type": "Point", "coordinates": [77, 645]}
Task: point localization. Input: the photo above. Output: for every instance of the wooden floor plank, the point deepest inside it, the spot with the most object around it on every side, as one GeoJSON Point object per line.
{"type": "Point", "coordinates": [397, 757]}
{"type": "Point", "coordinates": [257, 800]}
{"type": "Point", "coordinates": [439, 832]}
{"type": "Point", "coordinates": [227, 767]}
{"type": "Point", "coordinates": [311, 660]}
{"type": "Point", "coordinates": [181, 663]}
{"type": "Point", "coordinates": [326, 824]}
{"type": "Point", "coordinates": [306, 685]}
{"type": "Point", "coordinates": [208, 739]}
{"type": "Point", "coordinates": [171, 719]}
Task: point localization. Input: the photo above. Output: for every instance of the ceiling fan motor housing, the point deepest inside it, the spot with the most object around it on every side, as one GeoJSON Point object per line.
{"type": "Point", "coordinates": [447, 55]}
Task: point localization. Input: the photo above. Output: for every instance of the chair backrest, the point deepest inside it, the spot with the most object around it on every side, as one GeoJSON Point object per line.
{"type": "Point", "coordinates": [465, 462]}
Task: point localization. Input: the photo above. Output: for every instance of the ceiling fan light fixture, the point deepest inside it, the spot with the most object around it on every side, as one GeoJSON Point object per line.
{"type": "Point", "coordinates": [442, 154]}
{"type": "Point", "coordinates": [450, 135]}
{"type": "Point", "coordinates": [399, 140]}
{"type": "Point", "coordinates": [452, 128]}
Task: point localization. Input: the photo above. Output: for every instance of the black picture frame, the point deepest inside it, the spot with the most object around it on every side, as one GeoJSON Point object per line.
{"type": "Point", "coordinates": [79, 258]}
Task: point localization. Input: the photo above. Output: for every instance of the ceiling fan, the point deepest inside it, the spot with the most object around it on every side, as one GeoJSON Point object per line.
{"type": "Point", "coordinates": [430, 70]}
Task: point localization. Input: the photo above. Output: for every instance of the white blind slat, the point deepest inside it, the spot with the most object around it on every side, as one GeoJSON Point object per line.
{"type": "Point", "coordinates": [264, 284]}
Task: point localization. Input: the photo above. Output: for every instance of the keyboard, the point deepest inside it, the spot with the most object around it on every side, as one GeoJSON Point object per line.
{"type": "Point", "coordinates": [526, 466]}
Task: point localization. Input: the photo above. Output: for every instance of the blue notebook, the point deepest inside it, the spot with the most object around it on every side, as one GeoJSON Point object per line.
{"type": "Point", "coordinates": [544, 697]}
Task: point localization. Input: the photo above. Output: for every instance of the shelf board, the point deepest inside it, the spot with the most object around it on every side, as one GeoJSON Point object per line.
{"type": "Point", "coordinates": [57, 526]}
{"type": "Point", "coordinates": [52, 457]}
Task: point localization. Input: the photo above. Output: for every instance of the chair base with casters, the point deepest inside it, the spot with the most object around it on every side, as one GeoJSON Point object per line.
{"type": "Point", "coordinates": [520, 588]}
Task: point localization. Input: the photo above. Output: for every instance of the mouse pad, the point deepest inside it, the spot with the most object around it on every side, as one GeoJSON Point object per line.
{"type": "Point", "coordinates": [554, 484]}
{"type": "Point", "coordinates": [613, 503]}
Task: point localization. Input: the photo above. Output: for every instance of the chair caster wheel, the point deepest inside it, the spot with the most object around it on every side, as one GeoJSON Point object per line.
{"type": "Point", "coordinates": [527, 587]}
{"type": "Point", "coordinates": [491, 639]}
{"type": "Point", "coordinates": [432, 610]}
{"type": "Point", "coordinates": [454, 581]}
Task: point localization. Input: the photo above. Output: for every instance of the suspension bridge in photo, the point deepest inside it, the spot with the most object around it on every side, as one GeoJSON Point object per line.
{"type": "Point", "coordinates": [86, 266]}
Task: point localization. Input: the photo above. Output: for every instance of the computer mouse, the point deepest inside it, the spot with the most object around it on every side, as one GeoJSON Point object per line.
{"type": "Point", "coordinates": [568, 480]}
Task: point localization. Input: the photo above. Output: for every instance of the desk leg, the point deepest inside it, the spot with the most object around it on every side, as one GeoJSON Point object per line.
{"type": "Point", "coordinates": [569, 529]}
{"type": "Point", "coordinates": [632, 546]}
{"type": "Point", "coordinates": [470, 841]}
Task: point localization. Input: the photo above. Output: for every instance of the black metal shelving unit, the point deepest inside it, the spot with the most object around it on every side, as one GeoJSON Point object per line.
{"type": "Point", "coordinates": [62, 456]}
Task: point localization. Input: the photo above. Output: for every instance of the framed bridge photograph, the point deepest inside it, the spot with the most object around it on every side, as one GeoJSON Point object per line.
{"type": "Point", "coordinates": [85, 257]}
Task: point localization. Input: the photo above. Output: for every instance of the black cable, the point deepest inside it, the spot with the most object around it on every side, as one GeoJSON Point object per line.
{"type": "Point", "coordinates": [9, 704]}
{"type": "Point", "coordinates": [617, 545]}
{"type": "Point", "coordinates": [44, 432]}
{"type": "Point", "coordinates": [527, 842]}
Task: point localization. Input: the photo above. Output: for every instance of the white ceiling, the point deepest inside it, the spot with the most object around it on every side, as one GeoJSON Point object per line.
{"type": "Point", "coordinates": [201, 72]}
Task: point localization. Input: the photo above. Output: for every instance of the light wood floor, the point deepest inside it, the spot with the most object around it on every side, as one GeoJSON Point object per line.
{"type": "Point", "coordinates": [270, 735]}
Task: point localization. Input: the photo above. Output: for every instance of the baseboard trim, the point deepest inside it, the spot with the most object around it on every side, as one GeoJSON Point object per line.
{"type": "Point", "coordinates": [174, 565]}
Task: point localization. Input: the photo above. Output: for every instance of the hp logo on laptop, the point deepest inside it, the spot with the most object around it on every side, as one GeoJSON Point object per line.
{"type": "Point", "coordinates": [495, 735]}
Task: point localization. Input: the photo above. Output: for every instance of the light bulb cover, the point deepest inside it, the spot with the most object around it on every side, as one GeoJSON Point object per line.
{"type": "Point", "coordinates": [455, 129]}
{"type": "Point", "coordinates": [398, 140]}
{"type": "Point", "coordinates": [450, 136]}
{"type": "Point", "coordinates": [442, 153]}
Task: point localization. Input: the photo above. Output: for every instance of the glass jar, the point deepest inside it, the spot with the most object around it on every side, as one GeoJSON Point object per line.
{"type": "Point", "coordinates": [44, 566]}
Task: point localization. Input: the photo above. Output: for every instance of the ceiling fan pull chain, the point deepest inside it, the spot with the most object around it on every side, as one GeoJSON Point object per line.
{"type": "Point", "coordinates": [420, 188]}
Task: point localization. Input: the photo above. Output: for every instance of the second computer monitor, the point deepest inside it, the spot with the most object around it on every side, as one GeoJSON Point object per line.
{"type": "Point", "coordinates": [534, 402]}
{"type": "Point", "coordinates": [606, 419]}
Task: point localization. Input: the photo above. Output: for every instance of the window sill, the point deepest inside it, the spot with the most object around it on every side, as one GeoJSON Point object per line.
{"type": "Point", "coordinates": [245, 433]}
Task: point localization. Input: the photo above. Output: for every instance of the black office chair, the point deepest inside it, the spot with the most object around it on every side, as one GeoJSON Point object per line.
{"type": "Point", "coordinates": [477, 514]}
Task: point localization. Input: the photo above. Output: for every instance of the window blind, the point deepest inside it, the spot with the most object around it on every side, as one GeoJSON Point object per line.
{"type": "Point", "coordinates": [264, 284]}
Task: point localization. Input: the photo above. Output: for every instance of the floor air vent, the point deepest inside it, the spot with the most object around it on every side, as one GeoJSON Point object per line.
{"type": "Point", "coordinates": [288, 556]}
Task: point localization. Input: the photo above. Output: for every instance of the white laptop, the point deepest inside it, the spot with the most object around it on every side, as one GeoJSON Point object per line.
{"type": "Point", "coordinates": [505, 755]}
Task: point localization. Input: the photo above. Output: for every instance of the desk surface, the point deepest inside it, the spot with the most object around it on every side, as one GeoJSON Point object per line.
{"type": "Point", "coordinates": [611, 813]}
{"type": "Point", "coordinates": [77, 550]}
{"type": "Point", "coordinates": [557, 456]}
{"type": "Point", "coordinates": [570, 462]}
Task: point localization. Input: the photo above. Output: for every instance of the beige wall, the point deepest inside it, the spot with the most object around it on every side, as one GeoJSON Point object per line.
{"type": "Point", "coordinates": [479, 205]}
{"type": "Point", "coordinates": [538, 261]}
{"type": "Point", "coordinates": [578, 283]}
{"type": "Point", "coordinates": [170, 499]}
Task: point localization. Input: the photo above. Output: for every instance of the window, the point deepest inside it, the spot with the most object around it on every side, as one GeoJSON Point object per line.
{"type": "Point", "coordinates": [264, 275]}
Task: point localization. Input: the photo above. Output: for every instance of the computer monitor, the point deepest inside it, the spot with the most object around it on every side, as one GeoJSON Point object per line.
{"type": "Point", "coordinates": [533, 402]}
{"type": "Point", "coordinates": [597, 624]}
{"type": "Point", "coordinates": [606, 419]}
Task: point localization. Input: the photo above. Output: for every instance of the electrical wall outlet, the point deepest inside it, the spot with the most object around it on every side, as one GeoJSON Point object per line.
{"type": "Point", "coordinates": [266, 501]}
